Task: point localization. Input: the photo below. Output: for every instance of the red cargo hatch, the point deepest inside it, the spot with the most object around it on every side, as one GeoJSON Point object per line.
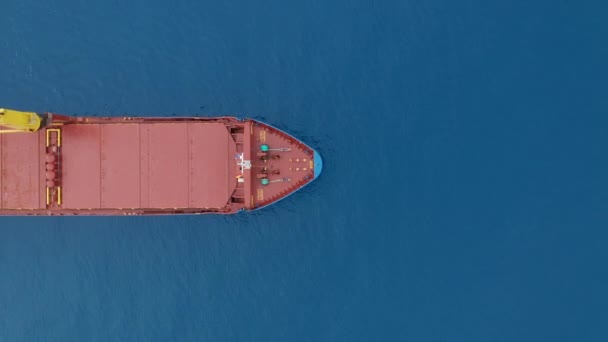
{"type": "Point", "coordinates": [81, 172]}
{"type": "Point", "coordinates": [20, 170]}
{"type": "Point", "coordinates": [120, 166]}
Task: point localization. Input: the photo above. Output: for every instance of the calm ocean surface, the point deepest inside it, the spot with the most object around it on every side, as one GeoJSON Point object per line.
{"type": "Point", "coordinates": [464, 195]}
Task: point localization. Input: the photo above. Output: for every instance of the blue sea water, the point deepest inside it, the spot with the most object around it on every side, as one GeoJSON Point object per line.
{"type": "Point", "coordinates": [464, 195]}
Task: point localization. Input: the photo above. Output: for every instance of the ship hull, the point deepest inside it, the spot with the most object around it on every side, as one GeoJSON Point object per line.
{"type": "Point", "coordinates": [150, 166]}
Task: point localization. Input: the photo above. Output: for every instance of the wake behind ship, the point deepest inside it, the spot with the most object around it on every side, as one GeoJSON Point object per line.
{"type": "Point", "coordinates": [61, 165]}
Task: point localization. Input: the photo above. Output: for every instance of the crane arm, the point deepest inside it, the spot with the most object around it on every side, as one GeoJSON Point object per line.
{"type": "Point", "coordinates": [12, 121]}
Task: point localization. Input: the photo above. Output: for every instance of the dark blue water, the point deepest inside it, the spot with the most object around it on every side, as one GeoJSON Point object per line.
{"type": "Point", "coordinates": [464, 195]}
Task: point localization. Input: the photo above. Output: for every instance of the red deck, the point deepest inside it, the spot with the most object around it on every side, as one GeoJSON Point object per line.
{"type": "Point", "coordinates": [149, 166]}
{"type": "Point", "coordinates": [287, 171]}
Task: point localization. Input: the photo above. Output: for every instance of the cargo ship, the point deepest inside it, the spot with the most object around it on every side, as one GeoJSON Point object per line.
{"type": "Point", "coordinates": [52, 164]}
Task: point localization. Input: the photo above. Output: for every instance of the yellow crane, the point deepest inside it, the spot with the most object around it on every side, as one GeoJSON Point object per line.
{"type": "Point", "coordinates": [13, 121]}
